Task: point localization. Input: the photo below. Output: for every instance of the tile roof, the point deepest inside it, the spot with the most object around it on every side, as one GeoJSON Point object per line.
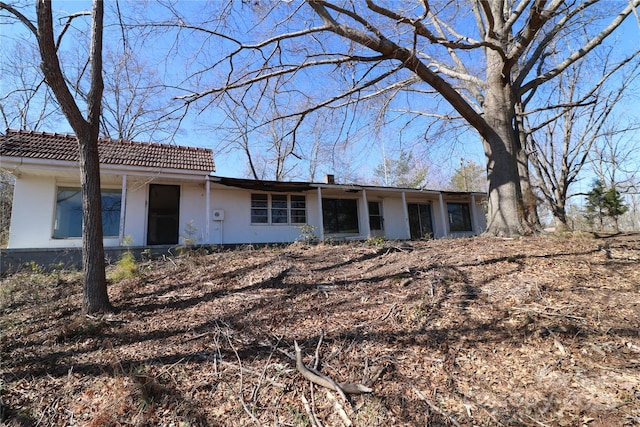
{"type": "Point", "coordinates": [54, 146]}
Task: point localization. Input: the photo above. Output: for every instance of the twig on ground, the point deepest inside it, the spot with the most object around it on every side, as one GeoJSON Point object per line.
{"type": "Point", "coordinates": [339, 409]}
{"type": "Point", "coordinates": [312, 417]}
{"type": "Point", "coordinates": [324, 381]}
{"type": "Point", "coordinates": [316, 361]}
{"type": "Point", "coordinates": [240, 392]}
{"type": "Point", "coordinates": [545, 313]}
{"type": "Point", "coordinates": [391, 310]}
{"type": "Point", "coordinates": [434, 407]}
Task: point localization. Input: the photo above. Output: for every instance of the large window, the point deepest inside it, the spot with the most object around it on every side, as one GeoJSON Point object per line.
{"type": "Point", "coordinates": [459, 217]}
{"type": "Point", "coordinates": [68, 221]}
{"type": "Point", "coordinates": [340, 215]}
{"type": "Point", "coordinates": [278, 209]}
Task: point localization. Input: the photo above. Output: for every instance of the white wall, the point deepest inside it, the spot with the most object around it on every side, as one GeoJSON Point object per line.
{"type": "Point", "coordinates": [34, 212]}
{"type": "Point", "coordinates": [33, 215]}
{"type": "Point", "coordinates": [236, 228]}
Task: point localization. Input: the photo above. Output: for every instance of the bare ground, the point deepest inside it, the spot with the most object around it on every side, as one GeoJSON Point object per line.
{"type": "Point", "coordinates": [470, 332]}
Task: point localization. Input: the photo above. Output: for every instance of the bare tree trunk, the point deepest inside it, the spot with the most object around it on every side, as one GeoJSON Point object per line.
{"type": "Point", "coordinates": [95, 284]}
{"type": "Point", "coordinates": [505, 217]}
{"type": "Point", "coordinates": [95, 297]}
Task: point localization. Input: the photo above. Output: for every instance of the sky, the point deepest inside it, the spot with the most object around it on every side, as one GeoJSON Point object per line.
{"type": "Point", "coordinates": [171, 58]}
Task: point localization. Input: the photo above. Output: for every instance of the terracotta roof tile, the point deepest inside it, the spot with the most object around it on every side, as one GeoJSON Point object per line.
{"type": "Point", "coordinates": [55, 146]}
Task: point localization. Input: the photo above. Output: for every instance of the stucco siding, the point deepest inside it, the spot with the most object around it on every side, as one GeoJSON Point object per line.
{"type": "Point", "coordinates": [236, 227]}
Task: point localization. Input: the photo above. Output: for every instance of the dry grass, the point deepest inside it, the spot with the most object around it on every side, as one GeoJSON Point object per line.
{"type": "Point", "coordinates": [537, 331]}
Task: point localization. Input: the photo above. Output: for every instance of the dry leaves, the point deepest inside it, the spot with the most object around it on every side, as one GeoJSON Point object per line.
{"type": "Point", "coordinates": [480, 331]}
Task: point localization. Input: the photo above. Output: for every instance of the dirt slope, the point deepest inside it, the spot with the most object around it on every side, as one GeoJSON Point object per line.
{"type": "Point", "coordinates": [536, 331]}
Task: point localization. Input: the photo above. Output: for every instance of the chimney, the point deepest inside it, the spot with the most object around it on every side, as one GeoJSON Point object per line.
{"type": "Point", "coordinates": [329, 179]}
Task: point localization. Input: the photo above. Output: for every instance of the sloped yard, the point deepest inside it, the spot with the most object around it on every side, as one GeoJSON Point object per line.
{"type": "Point", "coordinates": [527, 332]}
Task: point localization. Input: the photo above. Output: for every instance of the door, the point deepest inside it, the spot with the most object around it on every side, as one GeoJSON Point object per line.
{"type": "Point", "coordinates": [420, 224]}
{"type": "Point", "coordinates": [376, 220]}
{"type": "Point", "coordinates": [164, 218]}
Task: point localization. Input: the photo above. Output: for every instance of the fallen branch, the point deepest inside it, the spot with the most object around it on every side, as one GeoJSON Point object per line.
{"type": "Point", "coordinates": [312, 417]}
{"type": "Point", "coordinates": [324, 381]}
{"type": "Point", "coordinates": [545, 313]}
{"type": "Point", "coordinates": [339, 409]}
{"type": "Point", "coordinates": [435, 408]}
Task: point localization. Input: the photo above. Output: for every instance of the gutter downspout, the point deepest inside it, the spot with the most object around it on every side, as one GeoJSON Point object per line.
{"type": "Point", "coordinates": [444, 216]}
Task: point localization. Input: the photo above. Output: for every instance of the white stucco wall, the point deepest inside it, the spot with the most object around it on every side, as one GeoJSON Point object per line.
{"type": "Point", "coordinates": [192, 213]}
{"type": "Point", "coordinates": [35, 198]}
{"type": "Point", "coordinates": [394, 218]}
{"type": "Point", "coordinates": [33, 214]}
{"type": "Point", "coordinates": [236, 228]}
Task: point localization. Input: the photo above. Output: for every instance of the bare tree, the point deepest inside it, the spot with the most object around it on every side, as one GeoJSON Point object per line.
{"type": "Point", "coordinates": [470, 176]}
{"type": "Point", "coordinates": [95, 297]}
{"type": "Point", "coordinates": [483, 58]}
{"type": "Point", "coordinates": [26, 102]}
{"type": "Point", "coordinates": [6, 200]}
{"type": "Point", "coordinates": [573, 124]}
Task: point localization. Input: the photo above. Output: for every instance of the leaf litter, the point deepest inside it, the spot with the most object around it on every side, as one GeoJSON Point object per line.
{"type": "Point", "coordinates": [538, 331]}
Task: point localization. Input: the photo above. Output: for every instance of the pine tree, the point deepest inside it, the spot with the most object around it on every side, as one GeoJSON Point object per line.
{"type": "Point", "coordinates": [602, 203]}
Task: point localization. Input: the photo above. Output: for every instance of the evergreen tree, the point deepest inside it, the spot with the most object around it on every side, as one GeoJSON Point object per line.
{"type": "Point", "coordinates": [602, 203]}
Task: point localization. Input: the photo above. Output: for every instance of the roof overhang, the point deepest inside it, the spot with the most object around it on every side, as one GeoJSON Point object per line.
{"type": "Point", "coordinates": [18, 166]}
{"type": "Point", "coordinates": [273, 186]}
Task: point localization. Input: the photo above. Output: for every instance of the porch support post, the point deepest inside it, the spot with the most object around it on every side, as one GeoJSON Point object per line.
{"type": "Point", "coordinates": [472, 212]}
{"type": "Point", "coordinates": [123, 209]}
{"type": "Point", "coordinates": [320, 222]}
{"type": "Point", "coordinates": [405, 214]}
{"type": "Point", "coordinates": [365, 209]}
{"type": "Point", "coordinates": [207, 215]}
{"type": "Point", "coordinates": [443, 214]}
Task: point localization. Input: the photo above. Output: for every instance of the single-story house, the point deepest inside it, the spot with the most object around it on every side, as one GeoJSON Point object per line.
{"type": "Point", "coordinates": [160, 194]}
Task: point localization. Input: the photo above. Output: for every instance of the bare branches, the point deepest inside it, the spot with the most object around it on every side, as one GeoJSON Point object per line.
{"type": "Point", "coordinates": [21, 17]}
{"type": "Point", "coordinates": [591, 44]}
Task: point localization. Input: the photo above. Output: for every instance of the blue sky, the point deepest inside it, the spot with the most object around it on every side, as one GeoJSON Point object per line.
{"type": "Point", "coordinates": [200, 128]}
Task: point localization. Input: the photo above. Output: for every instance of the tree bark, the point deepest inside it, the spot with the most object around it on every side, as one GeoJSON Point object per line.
{"type": "Point", "coordinates": [95, 297]}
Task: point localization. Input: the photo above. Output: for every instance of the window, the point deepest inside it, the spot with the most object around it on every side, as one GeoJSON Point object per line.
{"type": "Point", "coordinates": [375, 216]}
{"type": "Point", "coordinates": [298, 210]}
{"type": "Point", "coordinates": [278, 209]}
{"type": "Point", "coordinates": [259, 209]}
{"type": "Point", "coordinates": [68, 221]}
{"type": "Point", "coordinates": [459, 217]}
{"type": "Point", "coordinates": [340, 215]}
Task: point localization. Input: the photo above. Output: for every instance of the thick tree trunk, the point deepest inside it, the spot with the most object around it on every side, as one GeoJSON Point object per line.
{"type": "Point", "coordinates": [95, 298]}
{"type": "Point", "coordinates": [95, 284]}
{"type": "Point", "coordinates": [505, 217]}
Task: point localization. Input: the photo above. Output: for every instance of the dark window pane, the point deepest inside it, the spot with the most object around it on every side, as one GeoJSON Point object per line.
{"type": "Point", "coordinates": [298, 210]}
{"type": "Point", "coordinates": [111, 200]}
{"type": "Point", "coordinates": [375, 216]}
{"type": "Point", "coordinates": [459, 217]}
{"type": "Point", "coordinates": [340, 215]}
{"type": "Point", "coordinates": [279, 209]}
{"type": "Point", "coordinates": [68, 220]}
{"type": "Point", "coordinates": [259, 209]}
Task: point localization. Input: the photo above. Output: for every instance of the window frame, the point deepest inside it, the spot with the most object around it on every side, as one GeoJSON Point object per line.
{"type": "Point", "coordinates": [279, 209]}
{"type": "Point", "coordinates": [377, 218]}
{"type": "Point", "coordinates": [111, 216]}
{"type": "Point", "coordinates": [466, 223]}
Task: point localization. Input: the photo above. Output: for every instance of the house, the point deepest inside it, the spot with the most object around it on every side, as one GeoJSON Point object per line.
{"type": "Point", "coordinates": [166, 195]}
